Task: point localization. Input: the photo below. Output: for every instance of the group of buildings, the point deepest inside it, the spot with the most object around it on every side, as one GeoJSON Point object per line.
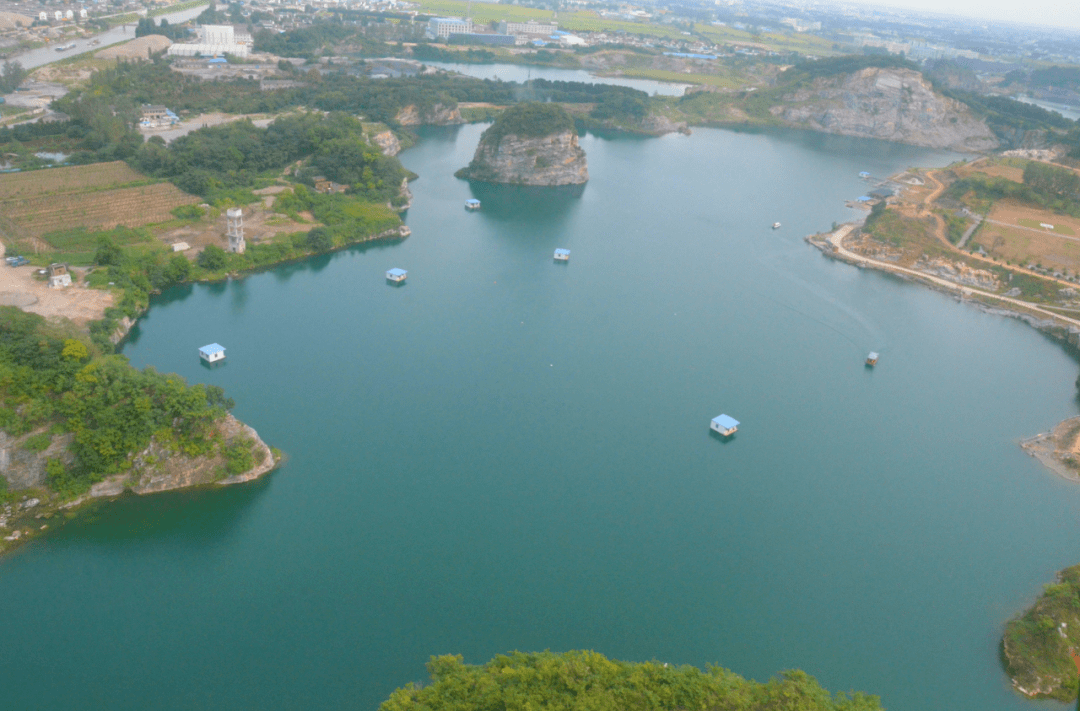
{"type": "Point", "coordinates": [61, 15]}
{"type": "Point", "coordinates": [462, 30]}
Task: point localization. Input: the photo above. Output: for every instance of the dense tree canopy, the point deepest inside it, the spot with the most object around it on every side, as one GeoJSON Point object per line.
{"type": "Point", "coordinates": [237, 154]}
{"type": "Point", "coordinates": [51, 378]}
{"type": "Point", "coordinates": [1051, 180]}
{"type": "Point", "coordinates": [576, 681]}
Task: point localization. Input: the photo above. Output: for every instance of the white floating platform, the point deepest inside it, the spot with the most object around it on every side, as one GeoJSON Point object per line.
{"type": "Point", "coordinates": [212, 353]}
{"type": "Point", "coordinates": [725, 425]}
{"type": "Point", "coordinates": [396, 275]}
{"type": "Point", "coordinates": [562, 255]}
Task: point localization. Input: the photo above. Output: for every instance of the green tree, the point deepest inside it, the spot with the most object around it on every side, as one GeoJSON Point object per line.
{"type": "Point", "coordinates": [1051, 180]}
{"type": "Point", "coordinates": [213, 258]}
{"type": "Point", "coordinates": [319, 239]}
{"type": "Point", "coordinates": [108, 253]}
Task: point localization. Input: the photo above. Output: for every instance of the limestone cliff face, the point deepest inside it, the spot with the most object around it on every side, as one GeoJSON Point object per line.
{"type": "Point", "coordinates": [154, 469]}
{"type": "Point", "coordinates": [556, 159]}
{"type": "Point", "coordinates": [158, 469]}
{"type": "Point", "coordinates": [437, 115]}
{"type": "Point", "coordinates": [891, 104]}
{"type": "Point", "coordinates": [24, 468]}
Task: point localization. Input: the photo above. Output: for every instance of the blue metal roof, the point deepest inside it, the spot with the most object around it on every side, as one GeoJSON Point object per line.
{"type": "Point", "coordinates": [212, 349]}
{"type": "Point", "coordinates": [865, 198]}
{"type": "Point", "coordinates": [872, 356]}
{"type": "Point", "coordinates": [472, 201]}
{"type": "Point", "coordinates": [396, 272]}
{"type": "Point", "coordinates": [562, 251]}
{"type": "Point", "coordinates": [726, 422]}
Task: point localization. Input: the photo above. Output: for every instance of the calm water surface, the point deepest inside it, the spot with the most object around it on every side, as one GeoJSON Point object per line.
{"type": "Point", "coordinates": [522, 73]}
{"type": "Point", "coordinates": [508, 453]}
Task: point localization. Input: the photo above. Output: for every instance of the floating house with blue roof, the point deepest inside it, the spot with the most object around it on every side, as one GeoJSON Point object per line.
{"type": "Point", "coordinates": [864, 175]}
{"type": "Point", "coordinates": [396, 275]}
{"type": "Point", "coordinates": [562, 255]}
{"type": "Point", "coordinates": [724, 425]}
{"type": "Point", "coordinates": [212, 353]}
{"type": "Point", "coordinates": [472, 204]}
{"type": "Point", "coordinates": [871, 360]}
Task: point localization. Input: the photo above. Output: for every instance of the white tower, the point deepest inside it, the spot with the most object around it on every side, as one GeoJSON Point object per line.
{"type": "Point", "coordinates": [235, 231]}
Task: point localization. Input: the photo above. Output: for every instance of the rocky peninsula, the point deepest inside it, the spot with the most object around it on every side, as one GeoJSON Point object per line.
{"type": "Point", "coordinates": [1038, 645]}
{"type": "Point", "coordinates": [529, 144]}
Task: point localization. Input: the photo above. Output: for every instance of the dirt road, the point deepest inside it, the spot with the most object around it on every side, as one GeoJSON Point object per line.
{"type": "Point", "coordinates": [836, 239]}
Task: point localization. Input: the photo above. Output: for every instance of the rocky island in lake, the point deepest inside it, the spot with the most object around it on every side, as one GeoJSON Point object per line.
{"type": "Point", "coordinates": [529, 144]}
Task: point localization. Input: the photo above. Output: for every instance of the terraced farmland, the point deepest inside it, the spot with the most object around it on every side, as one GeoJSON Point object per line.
{"type": "Point", "coordinates": [97, 210]}
{"type": "Point", "coordinates": [72, 179]}
{"type": "Point", "coordinates": [95, 197]}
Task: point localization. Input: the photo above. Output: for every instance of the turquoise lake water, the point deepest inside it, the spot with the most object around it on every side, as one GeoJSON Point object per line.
{"type": "Point", "coordinates": [510, 453]}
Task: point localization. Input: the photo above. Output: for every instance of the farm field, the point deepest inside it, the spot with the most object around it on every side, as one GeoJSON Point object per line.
{"type": "Point", "coordinates": [72, 179]}
{"type": "Point", "coordinates": [97, 209]}
{"type": "Point", "coordinates": [1020, 239]}
{"type": "Point", "coordinates": [1009, 172]}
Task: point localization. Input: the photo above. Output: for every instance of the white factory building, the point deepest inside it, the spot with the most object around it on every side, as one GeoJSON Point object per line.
{"type": "Point", "coordinates": [214, 41]}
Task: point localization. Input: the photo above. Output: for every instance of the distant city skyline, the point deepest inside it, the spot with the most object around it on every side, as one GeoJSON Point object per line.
{"type": "Point", "coordinates": [1052, 13]}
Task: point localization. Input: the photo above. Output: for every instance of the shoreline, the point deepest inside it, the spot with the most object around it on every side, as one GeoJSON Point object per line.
{"type": "Point", "coordinates": [1046, 447]}
{"type": "Point", "coordinates": [29, 518]}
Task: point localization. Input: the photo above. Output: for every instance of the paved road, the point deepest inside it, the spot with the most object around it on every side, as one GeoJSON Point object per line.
{"type": "Point", "coordinates": [47, 55]}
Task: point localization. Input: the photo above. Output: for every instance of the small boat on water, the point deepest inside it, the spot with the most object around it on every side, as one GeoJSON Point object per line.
{"type": "Point", "coordinates": [871, 359]}
{"type": "Point", "coordinates": [776, 225]}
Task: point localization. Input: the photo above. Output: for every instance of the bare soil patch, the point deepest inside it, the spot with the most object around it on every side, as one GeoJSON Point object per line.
{"type": "Point", "coordinates": [1023, 241]}
{"type": "Point", "coordinates": [171, 133]}
{"type": "Point", "coordinates": [140, 48]}
{"type": "Point", "coordinates": [18, 287]}
{"type": "Point", "coordinates": [261, 224]}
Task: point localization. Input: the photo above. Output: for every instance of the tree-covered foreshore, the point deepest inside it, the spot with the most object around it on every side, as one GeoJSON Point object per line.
{"type": "Point", "coordinates": [589, 680]}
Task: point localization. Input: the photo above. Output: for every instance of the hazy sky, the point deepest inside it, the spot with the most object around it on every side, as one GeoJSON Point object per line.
{"type": "Point", "coordinates": [1057, 13]}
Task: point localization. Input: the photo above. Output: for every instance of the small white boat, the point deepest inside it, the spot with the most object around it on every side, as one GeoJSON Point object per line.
{"type": "Point", "coordinates": [776, 225]}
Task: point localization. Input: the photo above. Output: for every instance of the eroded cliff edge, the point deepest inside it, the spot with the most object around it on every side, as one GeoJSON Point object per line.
{"type": "Point", "coordinates": [529, 144]}
{"type": "Point", "coordinates": [886, 103]}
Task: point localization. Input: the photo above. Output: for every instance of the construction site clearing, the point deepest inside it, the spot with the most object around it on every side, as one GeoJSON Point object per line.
{"type": "Point", "coordinates": [1016, 256]}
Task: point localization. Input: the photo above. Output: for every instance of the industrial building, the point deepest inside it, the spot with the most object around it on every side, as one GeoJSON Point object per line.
{"type": "Point", "coordinates": [214, 41]}
{"type": "Point", "coordinates": [443, 27]}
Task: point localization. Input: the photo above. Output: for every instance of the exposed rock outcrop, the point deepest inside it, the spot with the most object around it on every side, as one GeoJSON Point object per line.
{"type": "Point", "coordinates": [529, 144]}
{"type": "Point", "coordinates": [157, 468]}
{"type": "Point", "coordinates": [24, 468]}
{"type": "Point", "coordinates": [890, 104]}
{"type": "Point", "coordinates": [437, 115]}
{"type": "Point", "coordinates": [388, 143]}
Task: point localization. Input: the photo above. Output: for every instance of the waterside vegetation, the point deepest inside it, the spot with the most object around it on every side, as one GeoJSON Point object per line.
{"type": "Point", "coordinates": [589, 680]}
{"type": "Point", "coordinates": [1037, 644]}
